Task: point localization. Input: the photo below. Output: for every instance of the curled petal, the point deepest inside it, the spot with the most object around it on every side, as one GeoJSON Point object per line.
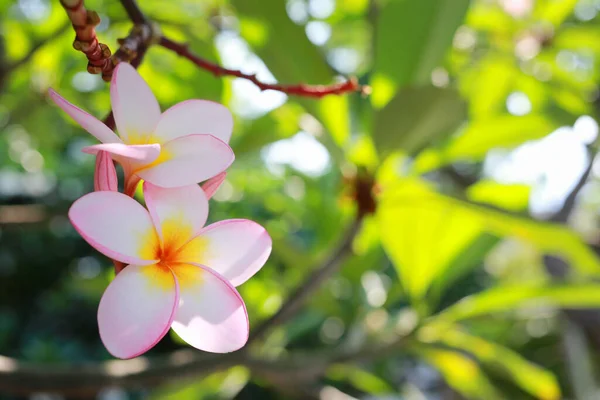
{"type": "Point", "coordinates": [195, 117]}
{"type": "Point", "coordinates": [139, 153]}
{"type": "Point", "coordinates": [134, 106]}
{"type": "Point", "coordinates": [213, 184]}
{"type": "Point", "coordinates": [137, 309]}
{"type": "Point", "coordinates": [188, 160]}
{"type": "Point", "coordinates": [211, 315]}
{"type": "Point", "coordinates": [178, 213]}
{"type": "Point", "coordinates": [235, 248]}
{"type": "Point", "coordinates": [105, 174]}
{"type": "Point", "coordinates": [117, 226]}
{"type": "Point", "coordinates": [91, 124]}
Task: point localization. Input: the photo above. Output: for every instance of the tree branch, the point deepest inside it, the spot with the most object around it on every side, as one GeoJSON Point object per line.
{"type": "Point", "coordinates": [133, 12]}
{"type": "Point", "coordinates": [316, 91]}
{"type": "Point", "coordinates": [86, 41]}
{"type": "Point", "coordinates": [311, 284]}
{"type": "Point", "coordinates": [563, 214]}
{"type": "Point", "coordinates": [23, 378]}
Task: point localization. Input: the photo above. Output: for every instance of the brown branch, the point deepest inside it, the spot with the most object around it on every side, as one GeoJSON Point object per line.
{"type": "Point", "coordinates": [86, 41]}
{"type": "Point", "coordinates": [316, 91]}
{"type": "Point", "coordinates": [292, 305]}
{"type": "Point", "coordinates": [24, 378]}
{"type": "Point", "coordinates": [133, 12]}
{"type": "Point", "coordinates": [562, 215]}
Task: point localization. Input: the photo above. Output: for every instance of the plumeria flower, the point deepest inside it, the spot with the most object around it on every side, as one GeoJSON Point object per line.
{"type": "Point", "coordinates": [181, 275]}
{"type": "Point", "coordinates": [186, 144]}
{"type": "Point", "coordinates": [213, 184]}
{"type": "Point", "coordinates": [105, 174]}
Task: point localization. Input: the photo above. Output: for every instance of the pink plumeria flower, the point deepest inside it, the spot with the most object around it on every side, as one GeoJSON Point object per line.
{"type": "Point", "coordinates": [213, 184]}
{"type": "Point", "coordinates": [181, 275]}
{"type": "Point", "coordinates": [186, 144]}
{"type": "Point", "coordinates": [105, 174]}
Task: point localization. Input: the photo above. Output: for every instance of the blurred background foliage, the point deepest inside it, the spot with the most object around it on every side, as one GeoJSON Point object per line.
{"type": "Point", "coordinates": [481, 258]}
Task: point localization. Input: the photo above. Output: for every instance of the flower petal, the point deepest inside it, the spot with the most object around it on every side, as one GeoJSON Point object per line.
{"type": "Point", "coordinates": [117, 226]}
{"type": "Point", "coordinates": [134, 106]}
{"type": "Point", "coordinates": [138, 153]}
{"type": "Point", "coordinates": [213, 184]}
{"type": "Point", "coordinates": [211, 315]}
{"type": "Point", "coordinates": [195, 117]}
{"type": "Point", "coordinates": [88, 122]}
{"type": "Point", "coordinates": [137, 309]}
{"type": "Point", "coordinates": [105, 174]}
{"type": "Point", "coordinates": [235, 248]}
{"type": "Point", "coordinates": [178, 213]}
{"type": "Point", "coordinates": [187, 160]}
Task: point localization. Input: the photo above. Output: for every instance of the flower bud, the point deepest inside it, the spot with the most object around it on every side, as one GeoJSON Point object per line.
{"type": "Point", "coordinates": [105, 176]}
{"type": "Point", "coordinates": [211, 185]}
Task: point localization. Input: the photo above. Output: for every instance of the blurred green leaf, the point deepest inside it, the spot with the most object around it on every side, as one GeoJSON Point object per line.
{"type": "Point", "coordinates": [555, 11]}
{"type": "Point", "coordinates": [407, 228]}
{"type": "Point", "coordinates": [360, 378]}
{"type": "Point", "coordinates": [514, 197]}
{"type": "Point", "coordinates": [399, 211]}
{"type": "Point", "coordinates": [481, 136]}
{"type": "Point", "coordinates": [507, 298]}
{"type": "Point", "coordinates": [418, 117]}
{"type": "Point", "coordinates": [305, 64]}
{"type": "Point", "coordinates": [461, 373]}
{"type": "Point", "coordinates": [499, 132]}
{"type": "Point", "coordinates": [412, 38]}
{"type": "Point", "coordinates": [533, 379]}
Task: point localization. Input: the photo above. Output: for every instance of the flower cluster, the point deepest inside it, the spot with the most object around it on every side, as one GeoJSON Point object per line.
{"type": "Point", "coordinates": [179, 274]}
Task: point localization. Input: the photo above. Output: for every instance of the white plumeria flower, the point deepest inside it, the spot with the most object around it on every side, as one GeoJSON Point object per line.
{"type": "Point", "coordinates": [181, 275]}
{"type": "Point", "coordinates": [186, 144]}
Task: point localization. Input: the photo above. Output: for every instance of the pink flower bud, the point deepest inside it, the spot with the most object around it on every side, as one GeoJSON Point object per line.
{"type": "Point", "coordinates": [211, 185]}
{"type": "Point", "coordinates": [105, 176]}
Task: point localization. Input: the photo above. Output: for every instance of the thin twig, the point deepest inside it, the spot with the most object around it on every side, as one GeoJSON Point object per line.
{"type": "Point", "coordinates": [563, 214]}
{"type": "Point", "coordinates": [311, 284]}
{"type": "Point", "coordinates": [304, 90]}
{"type": "Point", "coordinates": [86, 41]}
{"type": "Point", "coordinates": [133, 12]}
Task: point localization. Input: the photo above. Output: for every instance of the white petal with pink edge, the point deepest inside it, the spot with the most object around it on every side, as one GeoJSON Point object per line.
{"type": "Point", "coordinates": [137, 309]}
{"type": "Point", "coordinates": [88, 122]}
{"type": "Point", "coordinates": [138, 153]}
{"type": "Point", "coordinates": [235, 248]}
{"type": "Point", "coordinates": [183, 209]}
{"type": "Point", "coordinates": [134, 106]}
{"type": "Point", "coordinates": [115, 225]}
{"type": "Point", "coordinates": [211, 315]}
{"type": "Point", "coordinates": [213, 184]}
{"type": "Point", "coordinates": [195, 117]}
{"type": "Point", "coordinates": [187, 160]}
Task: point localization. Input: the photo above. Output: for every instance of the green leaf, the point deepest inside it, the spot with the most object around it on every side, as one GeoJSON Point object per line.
{"type": "Point", "coordinates": [412, 38]}
{"type": "Point", "coordinates": [410, 214]}
{"type": "Point", "coordinates": [279, 124]}
{"type": "Point", "coordinates": [409, 223]}
{"type": "Point", "coordinates": [506, 298]}
{"type": "Point", "coordinates": [469, 258]}
{"type": "Point", "coordinates": [535, 380]}
{"type": "Point", "coordinates": [359, 378]}
{"type": "Point", "coordinates": [504, 131]}
{"type": "Point", "coordinates": [461, 373]}
{"type": "Point", "coordinates": [268, 29]}
{"type": "Point", "coordinates": [514, 197]}
{"type": "Point", "coordinates": [416, 117]}
{"type": "Point", "coordinates": [481, 136]}
{"type": "Point", "coordinates": [555, 11]}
